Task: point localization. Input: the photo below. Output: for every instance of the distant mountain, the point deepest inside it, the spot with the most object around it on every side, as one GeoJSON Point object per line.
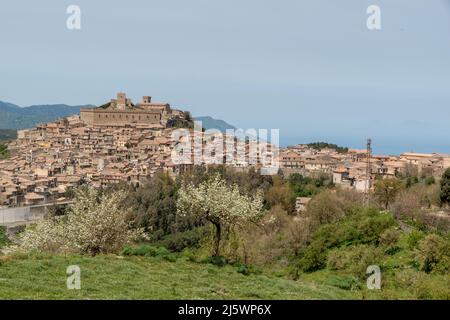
{"type": "Point", "coordinates": [14, 117]}
{"type": "Point", "coordinates": [8, 134]}
{"type": "Point", "coordinates": [211, 123]}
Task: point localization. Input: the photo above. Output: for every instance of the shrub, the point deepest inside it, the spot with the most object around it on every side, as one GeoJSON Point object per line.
{"type": "Point", "coordinates": [218, 261]}
{"type": "Point", "coordinates": [277, 235]}
{"type": "Point", "coordinates": [445, 187]}
{"type": "Point", "coordinates": [325, 207]}
{"type": "Point", "coordinates": [364, 227]}
{"type": "Point", "coordinates": [243, 269]}
{"type": "Point", "coordinates": [280, 194]}
{"type": "Point", "coordinates": [430, 180]}
{"type": "Point", "coordinates": [411, 202]}
{"type": "Point", "coordinates": [389, 238]}
{"type": "Point", "coordinates": [355, 259]}
{"type": "Point", "coordinates": [344, 282]}
{"type": "Point", "coordinates": [247, 269]}
{"type": "Point", "coordinates": [421, 285]}
{"type": "Point", "coordinates": [189, 255]}
{"type": "Point", "coordinates": [413, 238]}
{"type": "Point", "coordinates": [95, 223]}
{"type": "Point", "coordinates": [179, 241]}
{"type": "Point", "coordinates": [3, 237]}
{"type": "Point", "coordinates": [433, 254]}
{"type": "Point", "coordinates": [149, 251]}
{"type": "Point", "coordinates": [142, 250]}
{"type": "Point", "coordinates": [313, 257]}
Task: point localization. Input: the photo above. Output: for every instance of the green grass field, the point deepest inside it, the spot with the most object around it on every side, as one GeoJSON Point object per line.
{"type": "Point", "coordinates": [114, 277]}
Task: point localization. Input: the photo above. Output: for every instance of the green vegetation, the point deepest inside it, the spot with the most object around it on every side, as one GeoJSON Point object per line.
{"type": "Point", "coordinates": [386, 190]}
{"type": "Point", "coordinates": [4, 152]}
{"type": "Point", "coordinates": [15, 117]}
{"type": "Point", "coordinates": [308, 186]}
{"type": "Point", "coordinates": [181, 122]}
{"type": "Point", "coordinates": [445, 187]}
{"type": "Point", "coordinates": [326, 145]}
{"type": "Point", "coordinates": [8, 134]}
{"type": "Point", "coordinates": [322, 253]}
{"type": "Point", "coordinates": [38, 276]}
{"type": "Point", "coordinates": [3, 238]}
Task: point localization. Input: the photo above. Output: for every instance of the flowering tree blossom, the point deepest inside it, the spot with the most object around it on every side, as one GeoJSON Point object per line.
{"type": "Point", "coordinates": [95, 223]}
{"type": "Point", "coordinates": [219, 204]}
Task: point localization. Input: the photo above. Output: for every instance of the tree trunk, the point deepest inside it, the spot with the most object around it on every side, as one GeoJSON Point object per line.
{"type": "Point", "coordinates": [216, 248]}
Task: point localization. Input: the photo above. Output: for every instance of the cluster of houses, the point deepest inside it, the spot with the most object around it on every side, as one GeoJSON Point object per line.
{"type": "Point", "coordinates": [48, 161]}
{"type": "Point", "coordinates": [124, 142]}
{"type": "Point", "coordinates": [116, 142]}
{"type": "Point", "coordinates": [350, 169]}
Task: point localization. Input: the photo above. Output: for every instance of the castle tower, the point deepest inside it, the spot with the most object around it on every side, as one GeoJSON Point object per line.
{"type": "Point", "coordinates": [146, 100]}
{"type": "Point", "coordinates": [121, 101]}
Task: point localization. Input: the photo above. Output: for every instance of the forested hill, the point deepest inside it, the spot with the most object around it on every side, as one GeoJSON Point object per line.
{"type": "Point", "coordinates": [15, 117]}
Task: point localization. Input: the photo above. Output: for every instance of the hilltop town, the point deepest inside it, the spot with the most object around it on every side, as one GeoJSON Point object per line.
{"type": "Point", "coordinates": [123, 141]}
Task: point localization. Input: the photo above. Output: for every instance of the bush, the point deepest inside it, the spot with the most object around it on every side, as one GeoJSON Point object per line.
{"type": "Point", "coordinates": [415, 200]}
{"type": "Point", "coordinates": [430, 180]}
{"type": "Point", "coordinates": [277, 236]}
{"type": "Point", "coordinates": [325, 207]}
{"type": "Point", "coordinates": [3, 237]}
{"type": "Point", "coordinates": [413, 238]}
{"type": "Point", "coordinates": [247, 269]}
{"type": "Point", "coordinates": [364, 227]}
{"type": "Point", "coordinates": [280, 194]}
{"type": "Point", "coordinates": [354, 260]}
{"type": "Point", "coordinates": [389, 238]}
{"type": "Point", "coordinates": [149, 251]}
{"type": "Point", "coordinates": [142, 250]}
{"type": "Point", "coordinates": [218, 261]}
{"type": "Point", "coordinates": [445, 187]}
{"type": "Point", "coordinates": [423, 286]}
{"type": "Point", "coordinates": [179, 241]}
{"type": "Point", "coordinates": [433, 254]}
{"type": "Point", "coordinates": [95, 223]}
{"type": "Point", "coordinates": [313, 257]}
{"type": "Point", "coordinates": [344, 282]}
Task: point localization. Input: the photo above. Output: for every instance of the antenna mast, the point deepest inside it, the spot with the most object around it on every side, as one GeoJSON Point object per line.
{"type": "Point", "coordinates": [368, 174]}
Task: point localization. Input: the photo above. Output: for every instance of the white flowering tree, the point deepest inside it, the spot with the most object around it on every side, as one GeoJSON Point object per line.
{"type": "Point", "coordinates": [95, 223]}
{"type": "Point", "coordinates": [219, 204]}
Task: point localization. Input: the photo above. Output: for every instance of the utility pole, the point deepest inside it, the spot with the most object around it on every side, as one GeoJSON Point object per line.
{"type": "Point", "coordinates": [368, 174]}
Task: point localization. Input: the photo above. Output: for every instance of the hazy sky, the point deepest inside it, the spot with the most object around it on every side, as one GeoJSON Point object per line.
{"type": "Point", "coordinates": [310, 68]}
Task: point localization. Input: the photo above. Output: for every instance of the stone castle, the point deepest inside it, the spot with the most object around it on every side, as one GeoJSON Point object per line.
{"type": "Point", "coordinates": [121, 111]}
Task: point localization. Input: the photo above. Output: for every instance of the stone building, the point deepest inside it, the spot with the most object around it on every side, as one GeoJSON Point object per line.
{"type": "Point", "coordinates": [121, 112]}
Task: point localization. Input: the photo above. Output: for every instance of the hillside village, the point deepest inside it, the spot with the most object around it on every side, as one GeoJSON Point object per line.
{"type": "Point", "coordinates": [123, 141]}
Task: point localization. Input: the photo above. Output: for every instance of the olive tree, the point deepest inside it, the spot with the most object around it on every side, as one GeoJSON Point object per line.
{"type": "Point", "coordinates": [220, 204]}
{"type": "Point", "coordinates": [386, 190]}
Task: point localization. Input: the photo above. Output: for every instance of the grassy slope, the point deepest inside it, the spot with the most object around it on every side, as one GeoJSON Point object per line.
{"type": "Point", "coordinates": [112, 277]}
